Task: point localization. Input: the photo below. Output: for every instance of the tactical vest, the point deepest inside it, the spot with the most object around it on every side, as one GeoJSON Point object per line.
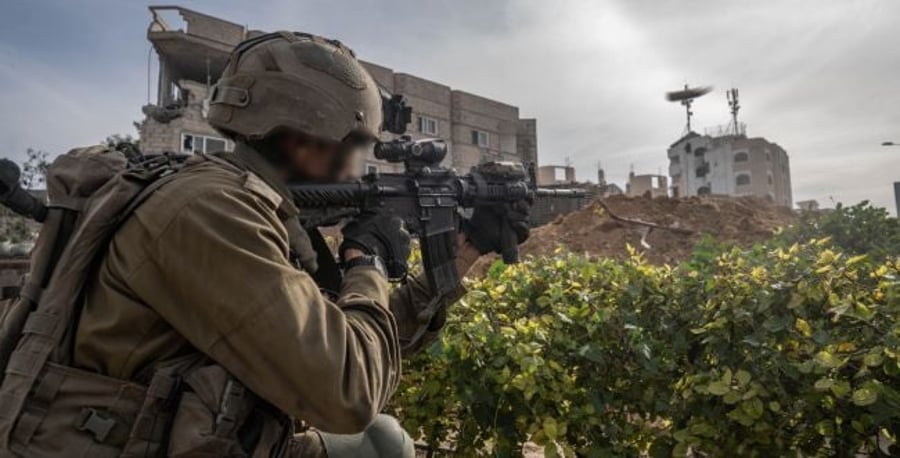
{"type": "Point", "coordinates": [48, 408]}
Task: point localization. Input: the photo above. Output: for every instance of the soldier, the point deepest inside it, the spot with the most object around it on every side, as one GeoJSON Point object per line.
{"type": "Point", "coordinates": [212, 281]}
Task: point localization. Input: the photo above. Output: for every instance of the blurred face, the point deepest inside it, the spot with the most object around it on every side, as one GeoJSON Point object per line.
{"type": "Point", "coordinates": [322, 161]}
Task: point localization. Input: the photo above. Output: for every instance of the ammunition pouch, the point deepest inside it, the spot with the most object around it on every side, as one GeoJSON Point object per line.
{"type": "Point", "coordinates": [206, 413]}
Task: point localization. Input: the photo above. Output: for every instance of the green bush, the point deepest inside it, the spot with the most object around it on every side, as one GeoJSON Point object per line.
{"type": "Point", "coordinates": [857, 229]}
{"type": "Point", "coordinates": [762, 353]}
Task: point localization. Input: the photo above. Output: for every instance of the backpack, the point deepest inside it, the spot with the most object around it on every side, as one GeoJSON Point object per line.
{"type": "Point", "coordinates": [189, 406]}
{"type": "Point", "coordinates": [71, 180]}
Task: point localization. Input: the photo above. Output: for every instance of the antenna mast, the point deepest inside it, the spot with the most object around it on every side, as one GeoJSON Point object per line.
{"type": "Point", "coordinates": [732, 95]}
{"type": "Point", "coordinates": [686, 97]}
{"type": "Point", "coordinates": [687, 110]}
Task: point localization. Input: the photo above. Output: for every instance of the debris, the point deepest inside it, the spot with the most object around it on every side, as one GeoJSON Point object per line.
{"type": "Point", "coordinates": [665, 230]}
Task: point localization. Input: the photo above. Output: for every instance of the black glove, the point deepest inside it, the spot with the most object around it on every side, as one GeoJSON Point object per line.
{"type": "Point", "coordinates": [381, 235]}
{"type": "Point", "coordinates": [498, 228]}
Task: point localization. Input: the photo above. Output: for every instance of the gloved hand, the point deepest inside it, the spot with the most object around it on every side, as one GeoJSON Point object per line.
{"type": "Point", "coordinates": [498, 227]}
{"type": "Point", "coordinates": [382, 235]}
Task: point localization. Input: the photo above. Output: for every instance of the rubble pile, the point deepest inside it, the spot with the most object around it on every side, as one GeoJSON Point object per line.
{"type": "Point", "coordinates": [595, 231]}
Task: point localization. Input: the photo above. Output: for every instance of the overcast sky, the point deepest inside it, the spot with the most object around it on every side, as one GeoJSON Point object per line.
{"type": "Point", "coordinates": [819, 77]}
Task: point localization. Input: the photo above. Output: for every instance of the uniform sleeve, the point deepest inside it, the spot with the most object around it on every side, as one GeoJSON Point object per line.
{"type": "Point", "coordinates": [407, 301]}
{"type": "Point", "coordinates": [228, 287]}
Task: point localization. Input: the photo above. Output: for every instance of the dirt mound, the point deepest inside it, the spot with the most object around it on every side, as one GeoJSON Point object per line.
{"type": "Point", "coordinates": [592, 230]}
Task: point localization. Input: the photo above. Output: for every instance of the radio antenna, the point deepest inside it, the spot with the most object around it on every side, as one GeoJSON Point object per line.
{"type": "Point", "coordinates": [732, 95]}
{"type": "Point", "coordinates": [686, 97]}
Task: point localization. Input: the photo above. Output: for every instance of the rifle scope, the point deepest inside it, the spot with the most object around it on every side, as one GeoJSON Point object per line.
{"type": "Point", "coordinates": [429, 151]}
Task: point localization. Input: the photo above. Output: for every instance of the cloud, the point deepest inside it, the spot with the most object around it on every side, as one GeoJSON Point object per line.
{"type": "Point", "coordinates": [816, 76]}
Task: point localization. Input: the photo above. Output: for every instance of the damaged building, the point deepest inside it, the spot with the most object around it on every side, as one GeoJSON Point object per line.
{"type": "Point", "coordinates": [192, 56]}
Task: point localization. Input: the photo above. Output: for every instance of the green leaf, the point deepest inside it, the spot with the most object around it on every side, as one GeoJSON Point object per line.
{"type": "Point", "coordinates": [718, 388]}
{"type": "Point", "coordinates": [754, 408]}
{"type": "Point", "coordinates": [776, 323]}
{"type": "Point", "coordinates": [803, 326]}
{"type": "Point", "coordinates": [873, 359]}
{"type": "Point", "coordinates": [743, 377]}
{"type": "Point", "coordinates": [727, 376]}
{"type": "Point", "coordinates": [840, 388]}
{"type": "Point", "coordinates": [549, 428]}
{"type": "Point", "coordinates": [864, 397]}
{"type": "Point", "coordinates": [732, 397]}
{"type": "Point", "coordinates": [828, 359]}
{"type": "Point", "coordinates": [823, 384]}
{"type": "Point", "coordinates": [825, 428]}
{"type": "Point", "coordinates": [550, 450]}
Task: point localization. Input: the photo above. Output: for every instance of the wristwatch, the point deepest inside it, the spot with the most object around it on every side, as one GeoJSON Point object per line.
{"type": "Point", "coordinates": [366, 260]}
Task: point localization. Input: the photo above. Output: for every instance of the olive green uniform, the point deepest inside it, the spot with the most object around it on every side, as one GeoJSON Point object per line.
{"type": "Point", "coordinates": [204, 264]}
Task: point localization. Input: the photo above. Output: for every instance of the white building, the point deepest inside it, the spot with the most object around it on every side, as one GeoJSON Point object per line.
{"type": "Point", "coordinates": [727, 164]}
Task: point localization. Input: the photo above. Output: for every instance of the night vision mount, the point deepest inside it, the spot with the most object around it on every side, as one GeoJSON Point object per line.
{"type": "Point", "coordinates": [395, 113]}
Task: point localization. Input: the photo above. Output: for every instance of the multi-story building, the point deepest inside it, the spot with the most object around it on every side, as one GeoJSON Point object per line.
{"type": "Point", "coordinates": [191, 59]}
{"type": "Point", "coordinates": [727, 162]}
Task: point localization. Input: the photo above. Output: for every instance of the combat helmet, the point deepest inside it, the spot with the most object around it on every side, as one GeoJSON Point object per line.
{"type": "Point", "coordinates": [297, 81]}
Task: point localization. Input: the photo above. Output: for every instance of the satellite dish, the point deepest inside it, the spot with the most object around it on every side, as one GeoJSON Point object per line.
{"type": "Point", "coordinates": [688, 93]}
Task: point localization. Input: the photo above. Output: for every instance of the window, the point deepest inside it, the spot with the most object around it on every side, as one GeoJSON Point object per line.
{"type": "Point", "coordinates": [480, 138]}
{"type": "Point", "coordinates": [742, 179]}
{"type": "Point", "coordinates": [371, 168]}
{"type": "Point", "coordinates": [702, 170]}
{"type": "Point", "coordinates": [191, 143]}
{"type": "Point", "coordinates": [559, 174]}
{"type": "Point", "coordinates": [741, 157]}
{"type": "Point", "coordinates": [770, 179]}
{"type": "Point", "coordinates": [768, 156]}
{"type": "Point", "coordinates": [428, 125]}
{"type": "Point", "coordinates": [676, 159]}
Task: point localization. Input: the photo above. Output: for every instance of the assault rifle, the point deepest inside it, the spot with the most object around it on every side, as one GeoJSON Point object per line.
{"type": "Point", "coordinates": [427, 197]}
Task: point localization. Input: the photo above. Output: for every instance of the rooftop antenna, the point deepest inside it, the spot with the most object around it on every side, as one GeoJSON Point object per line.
{"type": "Point", "coordinates": [686, 97]}
{"type": "Point", "coordinates": [568, 161]}
{"type": "Point", "coordinates": [732, 95]}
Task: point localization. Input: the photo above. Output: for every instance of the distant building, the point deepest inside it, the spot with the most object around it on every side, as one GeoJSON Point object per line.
{"type": "Point", "coordinates": [725, 163]}
{"type": "Point", "coordinates": [609, 189]}
{"type": "Point", "coordinates": [808, 205]}
{"type": "Point", "coordinates": [192, 58]}
{"type": "Point", "coordinates": [555, 174]}
{"type": "Point", "coordinates": [647, 185]}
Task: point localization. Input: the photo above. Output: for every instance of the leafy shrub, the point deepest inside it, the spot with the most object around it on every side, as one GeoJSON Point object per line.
{"type": "Point", "coordinates": [857, 229]}
{"type": "Point", "coordinates": [760, 353]}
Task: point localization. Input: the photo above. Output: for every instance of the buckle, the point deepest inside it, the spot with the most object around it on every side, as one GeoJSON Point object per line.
{"type": "Point", "coordinates": [230, 406]}
{"type": "Point", "coordinates": [94, 422]}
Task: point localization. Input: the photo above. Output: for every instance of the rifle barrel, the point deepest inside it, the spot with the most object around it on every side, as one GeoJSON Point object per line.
{"type": "Point", "coordinates": [550, 192]}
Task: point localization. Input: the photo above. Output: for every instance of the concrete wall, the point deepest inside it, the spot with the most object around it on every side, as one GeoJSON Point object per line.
{"type": "Point", "coordinates": [211, 27]}
{"type": "Point", "coordinates": [649, 185]}
{"type": "Point", "coordinates": [550, 175]}
{"type": "Point", "coordinates": [161, 137]}
{"type": "Point", "coordinates": [526, 140]}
